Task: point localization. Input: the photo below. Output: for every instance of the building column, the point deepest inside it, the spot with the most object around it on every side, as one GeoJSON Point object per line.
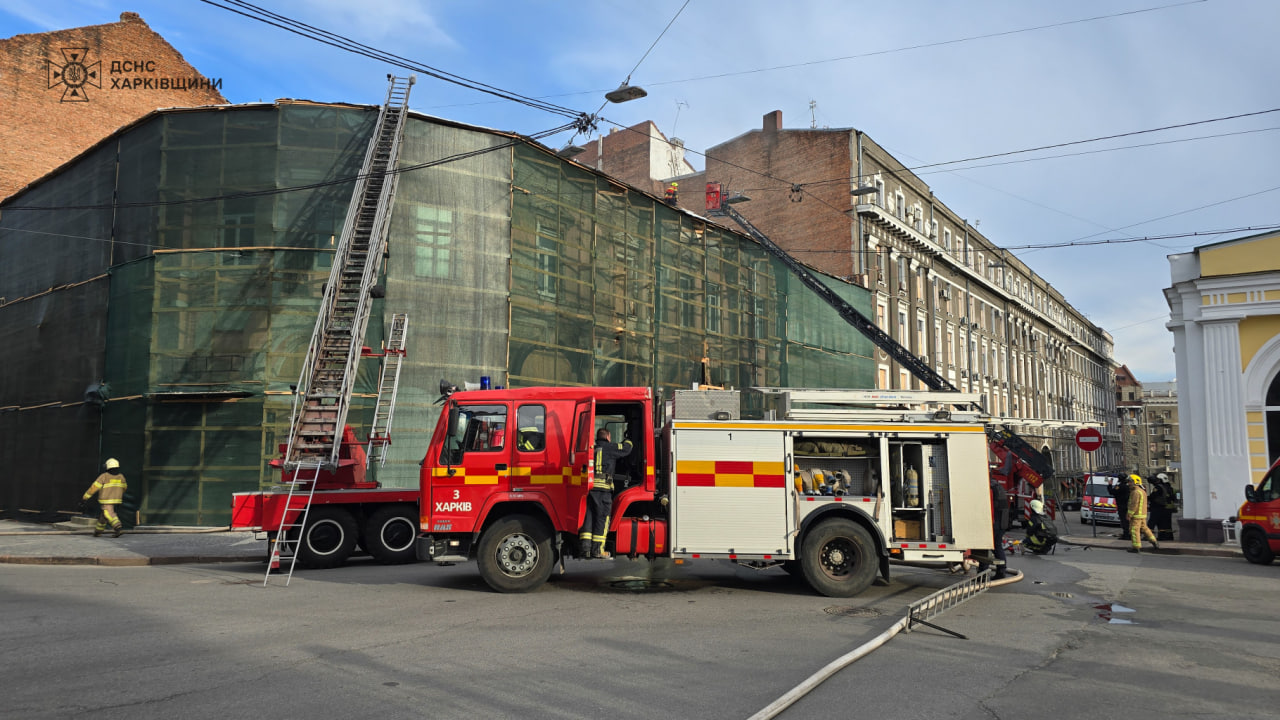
{"type": "Point", "coordinates": [1227, 444]}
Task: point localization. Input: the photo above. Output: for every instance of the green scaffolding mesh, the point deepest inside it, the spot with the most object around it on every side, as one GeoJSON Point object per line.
{"type": "Point", "coordinates": [196, 303]}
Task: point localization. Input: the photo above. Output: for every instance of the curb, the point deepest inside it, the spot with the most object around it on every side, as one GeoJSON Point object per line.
{"type": "Point", "coordinates": [123, 561]}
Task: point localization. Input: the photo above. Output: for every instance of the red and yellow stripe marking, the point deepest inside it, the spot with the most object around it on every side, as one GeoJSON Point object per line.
{"type": "Point", "coordinates": [730, 473]}
{"type": "Point", "coordinates": [567, 476]}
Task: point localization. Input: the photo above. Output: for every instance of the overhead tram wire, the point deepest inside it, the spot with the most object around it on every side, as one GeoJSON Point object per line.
{"type": "Point", "coordinates": [917, 168]}
{"type": "Point", "coordinates": [588, 124]}
{"type": "Point", "coordinates": [342, 42]}
{"type": "Point", "coordinates": [889, 51]}
{"type": "Point", "coordinates": [582, 123]}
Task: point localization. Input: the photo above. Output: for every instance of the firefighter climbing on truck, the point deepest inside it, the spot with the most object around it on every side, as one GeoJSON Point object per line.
{"type": "Point", "coordinates": [600, 498]}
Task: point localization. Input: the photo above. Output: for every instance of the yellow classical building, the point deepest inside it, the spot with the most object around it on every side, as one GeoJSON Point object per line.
{"type": "Point", "coordinates": [1225, 318]}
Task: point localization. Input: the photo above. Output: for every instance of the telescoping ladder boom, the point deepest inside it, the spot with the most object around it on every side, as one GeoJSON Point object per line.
{"type": "Point", "coordinates": [919, 368]}
{"type": "Point", "coordinates": [325, 384]}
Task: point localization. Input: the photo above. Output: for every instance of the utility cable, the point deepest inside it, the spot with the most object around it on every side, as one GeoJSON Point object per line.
{"type": "Point", "coordinates": [889, 51]}
{"type": "Point", "coordinates": [342, 42]}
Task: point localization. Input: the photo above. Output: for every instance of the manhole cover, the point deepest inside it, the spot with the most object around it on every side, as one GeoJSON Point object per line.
{"type": "Point", "coordinates": [642, 585]}
{"type": "Point", "coordinates": [845, 611]}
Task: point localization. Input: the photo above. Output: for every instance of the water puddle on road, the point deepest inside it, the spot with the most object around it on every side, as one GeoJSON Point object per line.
{"type": "Point", "coordinates": [1107, 612]}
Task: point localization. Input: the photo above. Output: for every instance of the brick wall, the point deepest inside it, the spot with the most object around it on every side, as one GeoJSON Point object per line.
{"type": "Point", "coordinates": [811, 225]}
{"type": "Point", "coordinates": [92, 71]}
{"type": "Point", "coordinates": [628, 154]}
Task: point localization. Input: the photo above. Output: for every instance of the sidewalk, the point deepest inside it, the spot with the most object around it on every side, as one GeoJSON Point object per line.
{"type": "Point", "coordinates": [73, 543]}
{"type": "Point", "coordinates": [1108, 538]}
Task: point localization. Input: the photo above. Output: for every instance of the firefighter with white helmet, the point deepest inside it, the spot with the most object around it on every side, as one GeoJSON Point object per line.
{"type": "Point", "coordinates": [110, 487]}
{"type": "Point", "coordinates": [1137, 515]}
{"type": "Point", "coordinates": [1042, 535]}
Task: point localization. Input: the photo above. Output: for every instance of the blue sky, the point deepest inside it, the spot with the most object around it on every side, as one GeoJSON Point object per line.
{"type": "Point", "coordinates": [930, 81]}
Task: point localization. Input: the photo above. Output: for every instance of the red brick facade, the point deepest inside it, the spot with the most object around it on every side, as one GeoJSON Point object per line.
{"type": "Point", "coordinates": [63, 91]}
{"type": "Point", "coordinates": [639, 155]}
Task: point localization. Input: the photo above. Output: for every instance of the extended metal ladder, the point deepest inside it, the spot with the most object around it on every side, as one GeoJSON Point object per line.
{"type": "Point", "coordinates": [388, 386]}
{"type": "Point", "coordinates": [323, 394]}
{"type": "Point", "coordinates": [285, 546]}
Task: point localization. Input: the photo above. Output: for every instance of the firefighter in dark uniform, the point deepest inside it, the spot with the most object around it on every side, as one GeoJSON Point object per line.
{"type": "Point", "coordinates": [600, 498]}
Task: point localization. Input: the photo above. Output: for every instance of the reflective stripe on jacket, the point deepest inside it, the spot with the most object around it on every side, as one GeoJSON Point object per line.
{"type": "Point", "coordinates": [110, 488]}
{"type": "Point", "coordinates": [1137, 502]}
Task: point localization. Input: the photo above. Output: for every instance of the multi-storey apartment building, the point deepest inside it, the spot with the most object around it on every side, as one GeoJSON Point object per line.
{"type": "Point", "coordinates": [982, 317]}
{"type": "Point", "coordinates": [1160, 401]}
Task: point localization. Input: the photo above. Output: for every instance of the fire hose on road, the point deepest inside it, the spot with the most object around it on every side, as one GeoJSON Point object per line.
{"type": "Point", "coordinates": [917, 613]}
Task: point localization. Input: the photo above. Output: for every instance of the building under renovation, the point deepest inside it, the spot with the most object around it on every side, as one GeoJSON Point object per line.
{"type": "Point", "coordinates": [160, 290]}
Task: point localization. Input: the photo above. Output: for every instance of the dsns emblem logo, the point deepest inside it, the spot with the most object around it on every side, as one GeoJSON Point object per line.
{"type": "Point", "coordinates": [75, 74]}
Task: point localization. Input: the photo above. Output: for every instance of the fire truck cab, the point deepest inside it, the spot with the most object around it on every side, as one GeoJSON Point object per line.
{"type": "Point", "coordinates": [831, 485]}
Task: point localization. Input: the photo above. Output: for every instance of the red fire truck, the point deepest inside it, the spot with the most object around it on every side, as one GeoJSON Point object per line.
{"type": "Point", "coordinates": [797, 479]}
{"type": "Point", "coordinates": [788, 478]}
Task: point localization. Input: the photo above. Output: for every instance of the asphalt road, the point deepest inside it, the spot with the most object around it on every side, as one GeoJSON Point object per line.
{"type": "Point", "coordinates": [614, 639]}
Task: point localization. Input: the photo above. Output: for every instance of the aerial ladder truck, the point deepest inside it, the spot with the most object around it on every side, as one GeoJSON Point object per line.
{"type": "Point", "coordinates": [326, 504]}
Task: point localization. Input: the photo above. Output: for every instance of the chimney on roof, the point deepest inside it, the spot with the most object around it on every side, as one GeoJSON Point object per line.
{"type": "Point", "coordinates": [773, 121]}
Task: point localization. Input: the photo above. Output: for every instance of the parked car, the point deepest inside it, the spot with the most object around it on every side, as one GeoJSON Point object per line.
{"type": "Point", "coordinates": [1096, 501]}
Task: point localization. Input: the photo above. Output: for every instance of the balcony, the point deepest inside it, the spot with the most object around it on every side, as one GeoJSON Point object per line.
{"type": "Point", "coordinates": [898, 227]}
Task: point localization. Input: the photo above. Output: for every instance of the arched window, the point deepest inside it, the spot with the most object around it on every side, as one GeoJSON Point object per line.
{"type": "Point", "coordinates": [1271, 407]}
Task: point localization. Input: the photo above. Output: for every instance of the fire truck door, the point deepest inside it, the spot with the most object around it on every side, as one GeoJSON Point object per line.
{"type": "Point", "coordinates": [482, 460]}
{"type": "Point", "coordinates": [582, 457]}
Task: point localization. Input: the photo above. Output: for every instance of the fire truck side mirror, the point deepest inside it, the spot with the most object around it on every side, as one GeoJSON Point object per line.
{"type": "Point", "coordinates": [1250, 493]}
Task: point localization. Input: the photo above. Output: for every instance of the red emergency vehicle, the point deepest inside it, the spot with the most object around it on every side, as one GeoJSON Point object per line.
{"type": "Point", "coordinates": [1259, 518]}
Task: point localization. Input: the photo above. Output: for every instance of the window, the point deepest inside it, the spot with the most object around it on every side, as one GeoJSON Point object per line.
{"type": "Point", "coordinates": [531, 428]}
{"type": "Point", "coordinates": [479, 428]}
{"type": "Point", "coordinates": [900, 208]}
{"type": "Point", "coordinates": [433, 228]}
{"type": "Point", "coordinates": [902, 329]}
{"type": "Point", "coordinates": [946, 240]}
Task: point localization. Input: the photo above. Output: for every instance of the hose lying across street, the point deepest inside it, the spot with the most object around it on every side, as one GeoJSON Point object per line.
{"type": "Point", "coordinates": [777, 706]}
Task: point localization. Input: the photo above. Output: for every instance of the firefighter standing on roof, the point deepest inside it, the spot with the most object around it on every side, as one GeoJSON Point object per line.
{"type": "Point", "coordinates": [600, 498]}
{"type": "Point", "coordinates": [1137, 516]}
{"type": "Point", "coordinates": [110, 487]}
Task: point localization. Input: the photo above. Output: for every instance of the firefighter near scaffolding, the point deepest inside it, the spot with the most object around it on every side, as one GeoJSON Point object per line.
{"type": "Point", "coordinates": [1137, 515]}
{"type": "Point", "coordinates": [109, 487]}
{"type": "Point", "coordinates": [600, 498]}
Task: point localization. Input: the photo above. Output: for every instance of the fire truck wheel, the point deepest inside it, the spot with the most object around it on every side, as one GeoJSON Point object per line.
{"type": "Point", "coordinates": [515, 554]}
{"type": "Point", "coordinates": [328, 538]}
{"type": "Point", "coordinates": [390, 533]}
{"type": "Point", "coordinates": [839, 558]}
{"type": "Point", "coordinates": [1253, 542]}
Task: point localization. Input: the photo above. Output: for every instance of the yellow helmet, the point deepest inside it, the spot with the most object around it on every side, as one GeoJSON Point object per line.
{"type": "Point", "coordinates": [675, 184]}
{"type": "Point", "coordinates": [112, 464]}
{"type": "Point", "coordinates": [1137, 479]}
